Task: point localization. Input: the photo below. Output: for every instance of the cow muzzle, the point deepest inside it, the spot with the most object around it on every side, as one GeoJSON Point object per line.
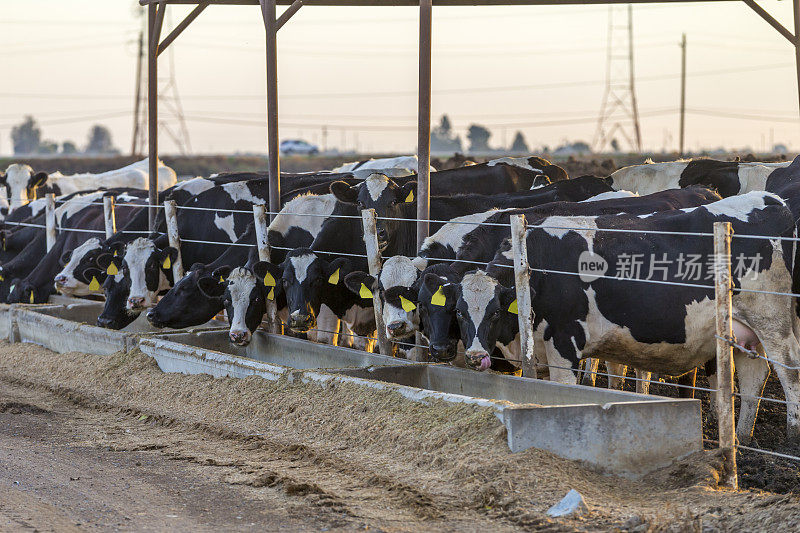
{"type": "Point", "coordinates": [152, 317]}
{"type": "Point", "coordinates": [397, 329]}
{"type": "Point", "coordinates": [300, 322]}
{"type": "Point", "coordinates": [443, 351]}
{"type": "Point", "coordinates": [136, 303]}
{"type": "Point", "coordinates": [240, 337]}
{"type": "Point", "coordinates": [478, 360]}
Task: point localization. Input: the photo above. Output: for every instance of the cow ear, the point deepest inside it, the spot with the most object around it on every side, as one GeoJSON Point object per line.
{"type": "Point", "coordinates": [221, 274]}
{"type": "Point", "coordinates": [407, 192]}
{"type": "Point", "coordinates": [65, 257]}
{"type": "Point", "coordinates": [168, 257]}
{"type": "Point", "coordinates": [432, 282]}
{"type": "Point", "coordinates": [268, 273]}
{"type": "Point", "coordinates": [344, 192]}
{"type": "Point", "coordinates": [337, 270]}
{"type": "Point", "coordinates": [211, 287]}
{"type": "Point", "coordinates": [117, 249]}
{"type": "Point", "coordinates": [37, 180]}
{"type": "Point", "coordinates": [508, 300]}
{"type": "Point", "coordinates": [354, 280]}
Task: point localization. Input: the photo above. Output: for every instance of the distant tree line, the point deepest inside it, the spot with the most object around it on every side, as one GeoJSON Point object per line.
{"type": "Point", "coordinates": [27, 139]}
{"type": "Point", "coordinates": [444, 140]}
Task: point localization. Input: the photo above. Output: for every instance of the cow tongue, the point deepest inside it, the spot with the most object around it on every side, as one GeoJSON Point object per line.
{"type": "Point", "coordinates": [485, 363]}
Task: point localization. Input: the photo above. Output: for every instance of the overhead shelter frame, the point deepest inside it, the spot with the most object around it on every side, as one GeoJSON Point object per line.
{"type": "Point", "coordinates": [273, 23]}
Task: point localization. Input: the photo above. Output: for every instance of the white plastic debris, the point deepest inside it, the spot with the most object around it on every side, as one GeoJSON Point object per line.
{"type": "Point", "coordinates": [572, 505]}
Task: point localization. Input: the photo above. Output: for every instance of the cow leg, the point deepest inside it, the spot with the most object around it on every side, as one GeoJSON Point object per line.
{"type": "Point", "coordinates": [327, 328]}
{"type": "Point", "coordinates": [589, 372]}
{"type": "Point", "coordinates": [616, 369]}
{"type": "Point", "coordinates": [559, 366]}
{"type": "Point", "coordinates": [752, 375]}
{"type": "Point", "coordinates": [689, 379]}
{"type": "Point", "coordinates": [643, 387]}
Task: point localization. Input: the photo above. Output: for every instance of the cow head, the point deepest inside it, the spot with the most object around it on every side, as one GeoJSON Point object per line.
{"type": "Point", "coordinates": [382, 194]}
{"type": "Point", "coordinates": [483, 308]}
{"type": "Point", "coordinates": [85, 268]}
{"type": "Point", "coordinates": [245, 293]}
{"type": "Point", "coordinates": [396, 286]}
{"type": "Point", "coordinates": [436, 297]}
{"type": "Point", "coordinates": [25, 292]}
{"type": "Point", "coordinates": [149, 270]}
{"type": "Point", "coordinates": [115, 314]}
{"type": "Point", "coordinates": [21, 182]}
{"type": "Point", "coordinates": [186, 304]}
{"type": "Point", "coordinates": [304, 276]}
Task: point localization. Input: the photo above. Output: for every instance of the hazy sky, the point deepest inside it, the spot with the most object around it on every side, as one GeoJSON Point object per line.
{"type": "Point", "coordinates": [537, 69]}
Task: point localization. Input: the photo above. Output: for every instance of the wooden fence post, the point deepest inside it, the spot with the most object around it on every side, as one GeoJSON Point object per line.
{"type": "Point", "coordinates": [50, 220]}
{"type": "Point", "coordinates": [109, 216]}
{"type": "Point", "coordinates": [374, 262]}
{"type": "Point", "coordinates": [522, 283]}
{"type": "Point", "coordinates": [171, 214]}
{"type": "Point", "coordinates": [264, 254]}
{"type": "Point", "coordinates": [724, 312]}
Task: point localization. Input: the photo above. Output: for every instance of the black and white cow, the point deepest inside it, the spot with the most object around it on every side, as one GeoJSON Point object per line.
{"type": "Point", "coordinates": [727, 177]}
{"type": "Point", "coordinates": [554, 172]}
{"type": "Point", "coordinates": [662, 328]}
{"type": "Point", "coordinates": [392, 201]}
{"type": "Point", "coordinates": [297, 225]}
{"type": "Point", "coordinates": [21, 182]}
{"type": "Point", "coordinates": [313, 281]}
{"type": "Point", "coordinates": [409, 162]}
{"type": "Point", "coordinates": [466, 242]}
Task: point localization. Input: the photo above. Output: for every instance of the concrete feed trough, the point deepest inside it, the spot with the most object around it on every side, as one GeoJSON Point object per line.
{"type": "Point", "coordinates": [620, 432]}
{"type": "Point", "coordinates": [66, 328]}
{"type": "Point", "coordinates": [269, 356]}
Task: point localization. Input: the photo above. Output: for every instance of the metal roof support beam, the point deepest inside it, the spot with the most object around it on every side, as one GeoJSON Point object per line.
{"type": "Point", "coordinates": [182, 26]}
{"type": "Point", "coordinates": [796, 4]}
{"type": "Point", "coordinates": [424, 122]}
{"type": "Point", "coordinates": [268, 10]}
{"type": "Point", "coordinates": [286, 15]}
{"type": "Point", "coordinates": [771, 20]}
{"type": "Point", "coordinates": [155, 19]}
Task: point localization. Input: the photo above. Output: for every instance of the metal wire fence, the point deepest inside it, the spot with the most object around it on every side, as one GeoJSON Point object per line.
{"type": "Point", "coordinates": [518, 260]}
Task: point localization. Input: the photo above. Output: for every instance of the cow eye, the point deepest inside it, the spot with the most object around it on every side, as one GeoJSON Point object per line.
{"type": "Point", "coordinates": [459, 313]}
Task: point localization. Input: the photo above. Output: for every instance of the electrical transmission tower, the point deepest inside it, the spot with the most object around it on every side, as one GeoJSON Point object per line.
{"type": "Point", "coordinates": [619, 113]}
{"type": "Point", "coordinates": [171, 121]}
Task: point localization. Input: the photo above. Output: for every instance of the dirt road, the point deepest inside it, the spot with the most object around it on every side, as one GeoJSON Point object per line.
{"type": "Point", "coordinates": [91, 443]}
{"type": "Point", "coordinates": [69, 468]}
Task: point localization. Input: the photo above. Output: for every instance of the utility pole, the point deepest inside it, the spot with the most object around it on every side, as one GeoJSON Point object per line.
{"type": "Point", "coordinates": [634, 105]}
{"type": "Point", "coordinates": [683, 93]}
{"type": "Point", "coordinates": [137, 105]}
{"type": "Point", "coordinates": [619, 113]}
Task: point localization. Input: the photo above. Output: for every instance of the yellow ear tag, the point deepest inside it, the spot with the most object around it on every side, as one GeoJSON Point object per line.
{"type": "Point", "coordinates": [221, 279]}
{"type": "Point", "coordinates": [115, 253]}
{"type": "Point", "coordinates": [94, 285]}
{"type": "Point", "coordinates": [334, 279]}
{"type": "Point", "coordinates": [513, 307]}
{"type": "Point", "coordinates": [271, 295]}
{"type": "Point", "coordinates": [31, 297]}
{"type": "Point", "coordinates": [167, 263]}
{"type": "Point", "coordinates": [269, 281]}
{"type": "Point", "coordinates": [112, 269]}
{"type": "Point", "coordinates": [438, 297]}
{"type": "Point", "coordinates": [364, 292]}
{"type": "Point", "coordinates": [1, 277]}
{"type": "Point", "coordinates": [410, 197]}
{"type": "Point", "coordinates": [407, 304]}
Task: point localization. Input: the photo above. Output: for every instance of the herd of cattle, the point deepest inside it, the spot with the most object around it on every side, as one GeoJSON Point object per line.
{"type": "Point", "coordinates": [458, 290]}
